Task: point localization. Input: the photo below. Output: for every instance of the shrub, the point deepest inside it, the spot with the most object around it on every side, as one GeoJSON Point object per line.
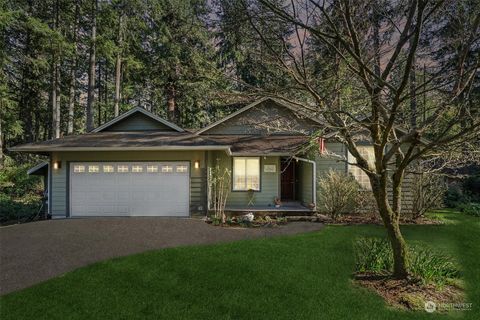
{"type": "Point", "coordinates": [471, 208]}
{"type": "Point", "coordinates": [15, 182]}
{"type": "Point", "coordinates": [365, 203]}
{"type": "Point", "coordinates": [428, 192]}
{"type": "Point", "coordinates": [375, 255]}
{"type": "Point", "coordinates": [20, 194]}
{"type": "Point", "coordinates": [431, 266]}
{"type": "Point", "coordinates": [11, 209]}
{"type": "Point", "coordinates": [337, 193]}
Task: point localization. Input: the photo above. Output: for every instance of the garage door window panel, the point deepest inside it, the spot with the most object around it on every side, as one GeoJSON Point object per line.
{"type": "Point", "coordinates": [108, 169]}
{"type": "Point", "coordinates": [137, 169]}
{"type": "Point", "coordinates": [78, 169]}
{"type": "Point", "coordinates": [167, 169]}
{"type": "Point", "coordinates": [122, 168]}
{"type": "Point", "coordinates": [181, 169]}
{"type": "Point", "coordinates": [152, 169]}
{"type": "Point", "coordinates": [93, 169]}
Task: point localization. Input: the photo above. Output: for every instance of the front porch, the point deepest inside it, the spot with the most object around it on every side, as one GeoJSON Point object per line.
{"type": "Point", "coordinates": [272, 184]}
{"type": "Point", "coordinates": [287, 207]}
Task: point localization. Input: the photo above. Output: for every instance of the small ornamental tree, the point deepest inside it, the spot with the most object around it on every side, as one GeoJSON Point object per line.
{"type": "Point", "coordinates": [357, 65]}
{"type": "Point", "coordinates": [218, 190]}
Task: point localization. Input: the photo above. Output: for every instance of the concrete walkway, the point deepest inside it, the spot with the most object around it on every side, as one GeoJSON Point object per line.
{"type": "Point", "coordinates": [34, 252]}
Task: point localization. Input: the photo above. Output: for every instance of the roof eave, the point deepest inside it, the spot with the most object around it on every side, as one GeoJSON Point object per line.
{"type": "Point", "coordinates": [161, 148]}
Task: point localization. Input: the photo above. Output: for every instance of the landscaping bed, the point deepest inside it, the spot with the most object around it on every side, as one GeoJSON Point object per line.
{"type": "Point", "coordinates": [248, 220]}
{"type": "Point", "coordinates": [433, 275]}
{"type": "Point", "coordinates": [411, 294]}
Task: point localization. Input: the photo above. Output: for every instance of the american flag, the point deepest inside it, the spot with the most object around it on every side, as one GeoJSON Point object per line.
{"type": "Point", "coordinates": [321, 145]}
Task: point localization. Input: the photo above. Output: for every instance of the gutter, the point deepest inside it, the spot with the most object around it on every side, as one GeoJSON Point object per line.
{"type": "Point", "coordinates": [314, 182]}
{"type": "Point", "coordinates": [163, 148]}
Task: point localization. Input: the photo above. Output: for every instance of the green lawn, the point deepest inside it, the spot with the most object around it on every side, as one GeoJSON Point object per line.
{"type": "Point", "coordinates": [299, 277]}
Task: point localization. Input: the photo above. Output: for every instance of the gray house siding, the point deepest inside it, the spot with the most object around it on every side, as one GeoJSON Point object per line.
{"type": "Point", "coordinates": [269, 181]}
{"type": "Point", "coordinates": [59, 184]}
{"type": "Point", "coordinates": [139, 122]}
{"type": "Point", "coordinates": [265, 118]}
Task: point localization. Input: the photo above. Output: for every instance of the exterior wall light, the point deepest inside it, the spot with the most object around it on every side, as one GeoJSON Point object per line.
{"type": "Point", "coordinates": [197, 164]}
{"type": "Point", "coordinates": [57, 165]}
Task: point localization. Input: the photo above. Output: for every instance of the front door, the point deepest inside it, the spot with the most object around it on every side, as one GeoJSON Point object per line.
{"type": "Point", "coordinates": [287, 178]}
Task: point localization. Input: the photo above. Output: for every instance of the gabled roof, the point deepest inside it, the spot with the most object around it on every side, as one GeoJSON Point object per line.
{"type": "Point", "coordinates": [134, 111]}
{"type": "Point", "coordinates": [39, 169]}
{"type": "Point", "coordinates": [250, 106]}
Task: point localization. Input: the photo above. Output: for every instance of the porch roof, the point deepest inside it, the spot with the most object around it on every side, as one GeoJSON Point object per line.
{"type": "Point", "coordinates": [148, 140]}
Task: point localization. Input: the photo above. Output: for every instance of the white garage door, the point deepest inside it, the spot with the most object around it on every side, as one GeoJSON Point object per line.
{"type": "Point", "coordinates": [129, 189]}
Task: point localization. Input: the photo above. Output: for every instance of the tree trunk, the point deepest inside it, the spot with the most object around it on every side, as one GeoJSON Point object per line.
{"type": "Point", "coordinates": [55, 134]}
{"type": "Point", "coordinates": [413, 94]}
{"type": "Point", "coordinates": [118, 67]}
{"type": "Point", "coordinates": [99, 101]}
{"type": "Point", "coordinates": [73, 72]}
{"type": "Point", "coordinates": [55, 81]}
{"type": "Point", "coordinates": [391, 222]}
{"type": "Point", "coordinates": [91, 71]}
{"type": "Point", "coordinates": [171, 103]}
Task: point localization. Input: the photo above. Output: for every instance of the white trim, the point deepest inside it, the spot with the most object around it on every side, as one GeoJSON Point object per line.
{"type": "Point", "coordinates": [132, 111]}
{"type": "Point", "coordinates": [236, 113]}
{"type": "Point", "coordinates": [314, 164]}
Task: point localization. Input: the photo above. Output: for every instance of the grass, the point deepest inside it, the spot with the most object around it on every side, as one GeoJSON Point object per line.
{"type": "Point", "coordinates": [307, 276]}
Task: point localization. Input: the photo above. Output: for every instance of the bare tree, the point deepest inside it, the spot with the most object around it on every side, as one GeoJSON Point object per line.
{"type": "Point", "coordinates": [378, 56]}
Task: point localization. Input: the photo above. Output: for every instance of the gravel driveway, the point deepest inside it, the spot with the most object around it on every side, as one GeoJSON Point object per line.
{"type": "Point", "coordinates": [34, 252]}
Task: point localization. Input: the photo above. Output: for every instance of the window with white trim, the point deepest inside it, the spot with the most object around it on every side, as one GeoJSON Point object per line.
{"type": "Point", "coordinates": [93, 169]}
{"type": "Point", "coordinates": [167, 169]}
{"type": "Point", "coordinates": [368, 153]}
{"type": "Point", "coordinates": [246, 173]}
{"type": "Point", "coordinates": [78, 168]}
{"type": "Point", "coordinates": [108, 169]}
{"type": "Point", "coordinates": [182, 169]}
{"type": "Point", "coordinates": [137, 168]}
{"type": "Point", "coordinates": [152, 168]}
{"type": "Point", "coordinates": [122, 168]}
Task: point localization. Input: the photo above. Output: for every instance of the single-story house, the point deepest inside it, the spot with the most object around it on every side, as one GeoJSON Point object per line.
{"type": "Point", "coordinates": [139, 164]}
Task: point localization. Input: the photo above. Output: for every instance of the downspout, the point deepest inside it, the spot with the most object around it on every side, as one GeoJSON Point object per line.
{"type": "Point", "coordinates": [314, 177]}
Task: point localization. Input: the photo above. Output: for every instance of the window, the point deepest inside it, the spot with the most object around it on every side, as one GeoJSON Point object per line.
{"type": "Point", "coordinates": [246, 174]}
{"type": "Point", "coordinates": [108, 169]}
{"type": "Point", "coordinates": [182, 169]}
{"type": "Point", "coordinates": [167, 169]}
{"type": "Point", "coordinates": [152, 168]}
{"type": "Point", "coordinates": [93, 169]}
{"type": "Point", "coordinates": [362, 178]}
{"type": "Point", "coordinates": [78, 168]}
{"type": "Point", "coordinates": [122, 168]}
{"type": "Point", "coordinates": [137, 169]}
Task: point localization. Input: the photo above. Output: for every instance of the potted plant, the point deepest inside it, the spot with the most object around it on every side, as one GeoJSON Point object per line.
{"type": "Point", "coordinates": [277, 202]}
